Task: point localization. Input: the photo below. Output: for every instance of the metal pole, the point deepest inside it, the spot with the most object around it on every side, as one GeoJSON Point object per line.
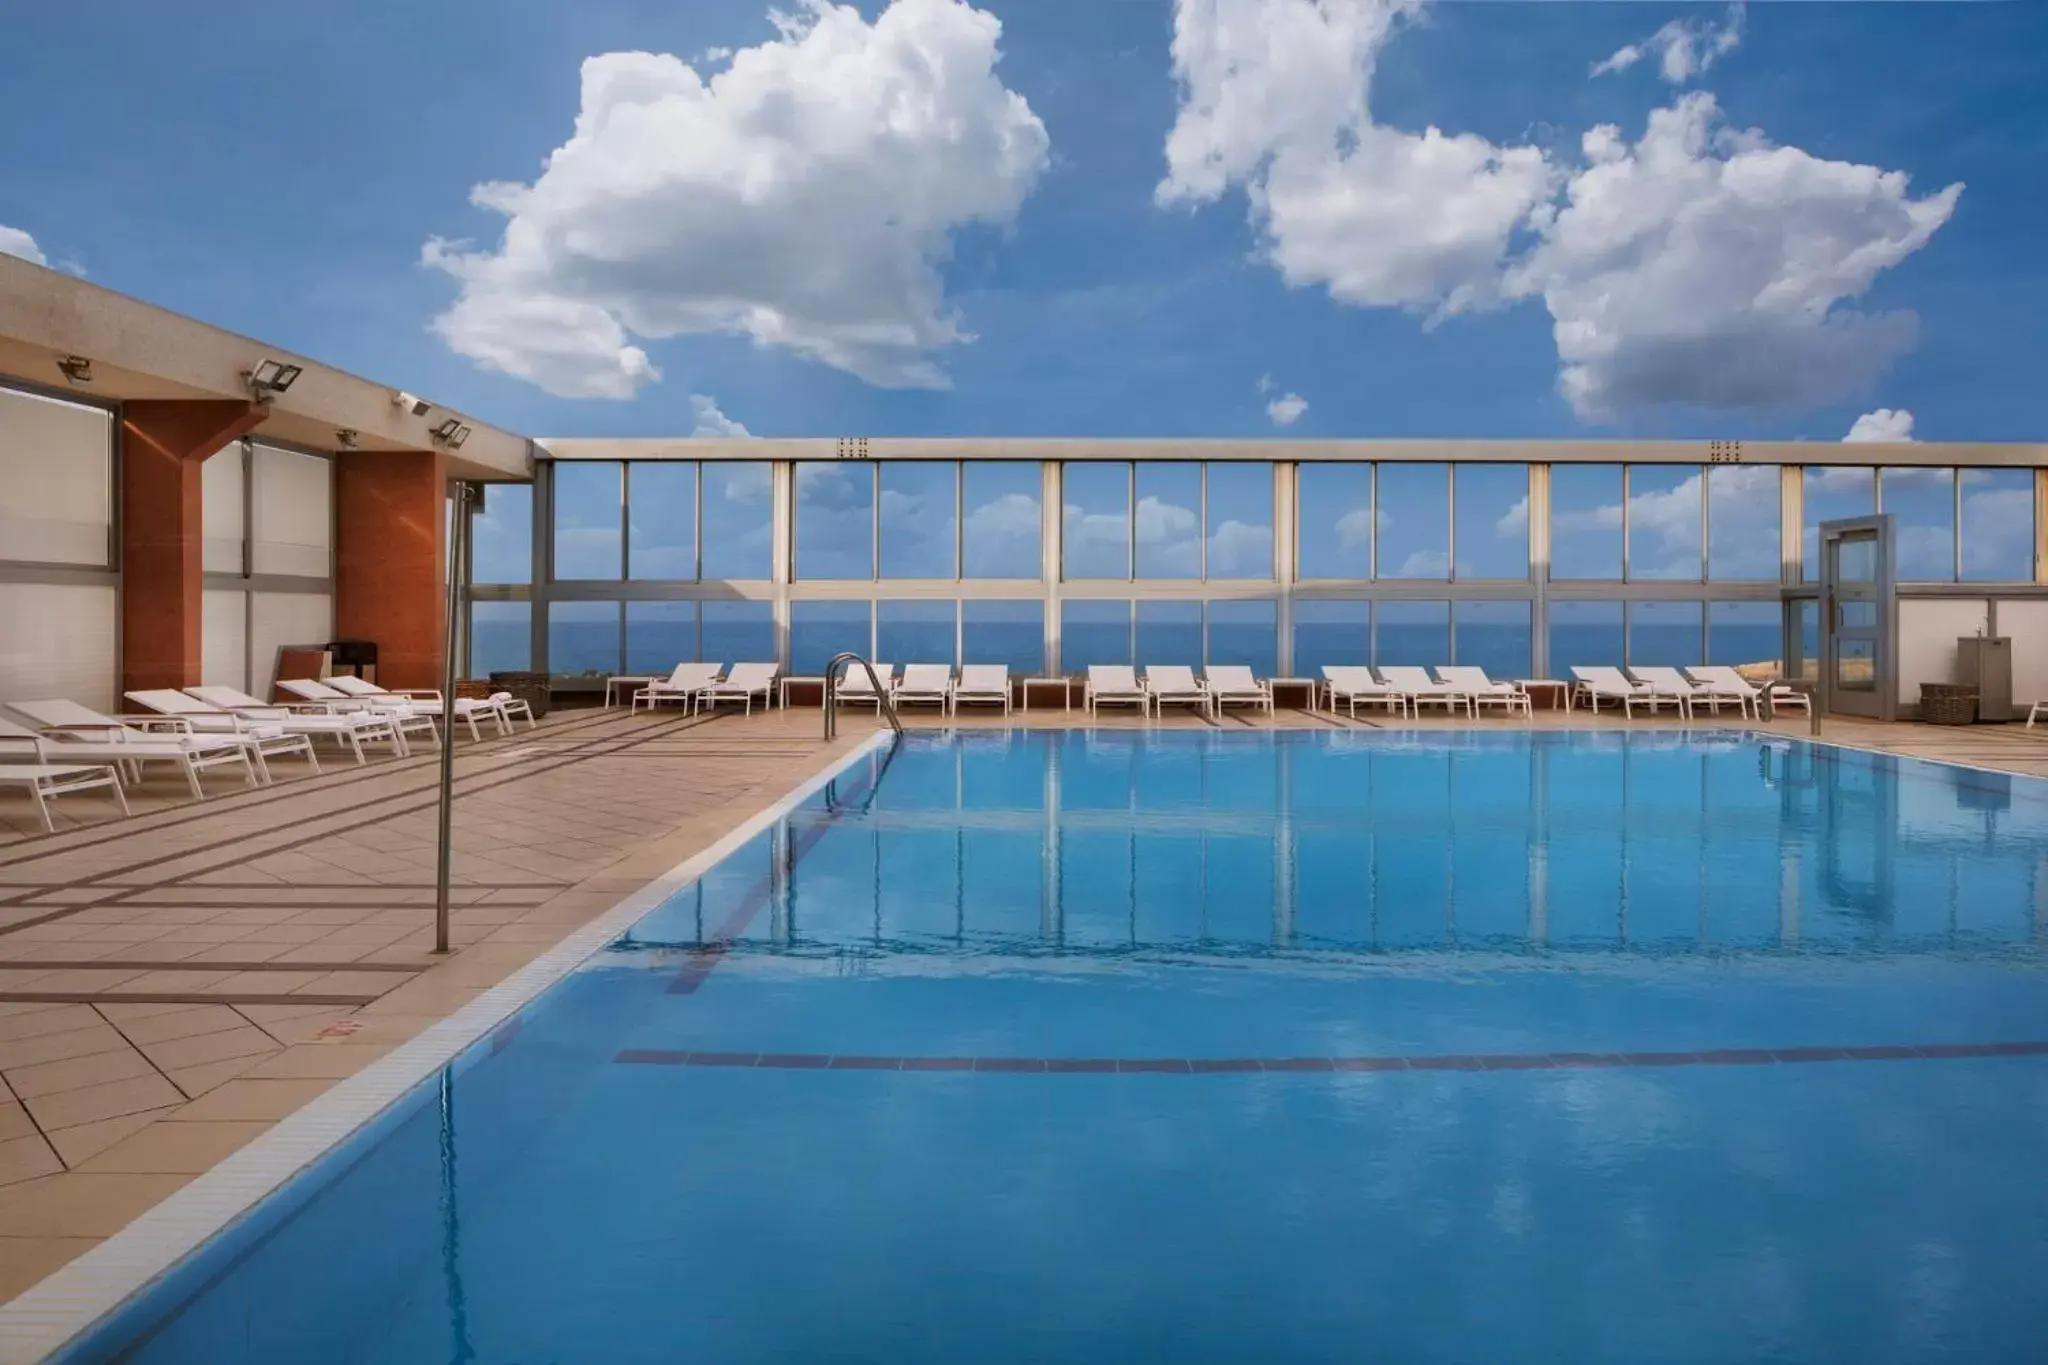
{"type": "Point", "coordinates": [459, 537]}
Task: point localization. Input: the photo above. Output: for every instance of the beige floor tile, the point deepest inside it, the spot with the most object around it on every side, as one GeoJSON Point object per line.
{"type": "Point", "coordinates": [169, 1148]}
{"type": "Point", "coordinates": [96, 1102]}
{"type": "Point", "coordinates": [82, 1141]}
{"type": "Point", "coordinates": [75, 1073]}
{"type": "Point", "coordinates": [208, 1076]}
{"type": "Point", "coordinates": [242, 1098]}
{"type": "Point", "coordinates": [57, 1047]}
{"type": "Point", "coordinates": [244, 1040]}
{"type": "Point", "coordinates": [318, 1061]}
{"type": "Point", "coordinates": [41, 1019]}
{"type": "Point", "coordinates": [178, 1021]}
{"type": "Point", "coordinates": [76, 1205]}
{"type": "Point", "coordinates": [24, 1261]}
{"type": "Point", "coordinates": [25, 1158]}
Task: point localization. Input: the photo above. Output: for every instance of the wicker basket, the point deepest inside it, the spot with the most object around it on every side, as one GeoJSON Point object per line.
{"type": "Point", "coordinates": [1948, 704]}
{"type": "Point", "coordinates": [533, 687]}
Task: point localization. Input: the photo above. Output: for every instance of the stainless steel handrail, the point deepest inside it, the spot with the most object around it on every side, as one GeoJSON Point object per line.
{"type": "Point", "coordinates": [883, 701]}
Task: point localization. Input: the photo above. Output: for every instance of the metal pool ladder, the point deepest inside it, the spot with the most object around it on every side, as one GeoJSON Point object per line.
{"type": "Point", "coordinates": [882, 699]}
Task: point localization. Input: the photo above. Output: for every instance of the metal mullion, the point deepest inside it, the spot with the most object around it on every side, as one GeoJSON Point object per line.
{"type": "Point", "coordinates": [960, 520]}
{"type": "Point", "coordinates": [1956, 525]}
{"type": "Point", "coordinates": [1202, 529]}
{"type": "Point", "coordinates": [697, 526]}
{"type": "Point", "coordinates": [1706, 528]}
{"type": "Point", "coordinates": [1131, 524]}
{"type": "Point", "coordinates": [1372, 517]}
{"type": "Point", "coordinates": [875, 520]}
{"type": "Point", "coordinates": [1625, 519]}
{"type": "Point", "coordinates": [625, 523]}
{"type": "Point", "coordinates": [1451, 516]}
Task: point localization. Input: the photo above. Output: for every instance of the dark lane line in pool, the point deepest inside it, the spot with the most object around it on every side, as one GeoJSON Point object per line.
{"type": "Point", "coordinates": [1200, 1066]}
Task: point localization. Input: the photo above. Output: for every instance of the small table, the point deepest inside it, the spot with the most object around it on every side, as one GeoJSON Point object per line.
{"type": "Point", "coordinates": [1308, 686]}
{"type": "Point", "coordinates": [1066, 686]}
{"type": "Point", "coordinates": [801, 680]}
{"type": "Point", "coordinates": [631, 681]}
{"type": "Point", "coordinates": [1558, 685]}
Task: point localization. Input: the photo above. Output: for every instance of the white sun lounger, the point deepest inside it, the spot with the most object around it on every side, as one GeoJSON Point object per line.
{"type": "Point", "coordinates": [1420, 689]}
{"type": "Point", "coordinates": [854, 685]}
{"type": "Point", "coordinates": [1354, 683]}
{"type": "Point", "coordinates": [397, 710]}
{"type": "Point", "coordinates": [1175, 685]}
{"type": "Point", "coordinates": [1730, 683]}
{"type": "Point", "coordinates": [45, 780]}
{"type": "Point", "coordinates": [1605, 683]}
{"type": "Point", "coordinates": [1234, 685]}
{"type": "Point", "coordinates": [743, 683]}
{"type": "Point", "coordinates": [106, 740]}
{"type": "Point", "coordinates": [271, 739]}
{"type": "Point", "coordinates": [1484, 691]}
{"type": "Point", "coordinates": [926, 684]}
{"type": "Point", "coordinates": [349, 728]}
{"type": "Point", "coordinates": [427, 701]}
{"type": "Point", "coordinates": [985, 683]}
{"type": "Point", "coordinates": [682, 684]}
{"type": "Point", "coordinates": [1114, 685]}
{"type": "Point", "coordinates": [1669, 681]}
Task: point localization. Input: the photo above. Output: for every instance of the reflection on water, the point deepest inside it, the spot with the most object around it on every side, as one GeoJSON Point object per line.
{"type": "Point", "coordinates": [1345, 842]}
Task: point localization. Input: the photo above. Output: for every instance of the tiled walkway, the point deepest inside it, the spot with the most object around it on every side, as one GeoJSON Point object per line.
{"type": "Point", "coordinates": [173, 984]}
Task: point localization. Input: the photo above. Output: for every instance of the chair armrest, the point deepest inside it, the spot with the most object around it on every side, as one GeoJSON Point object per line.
{"type": "Point", "coordinates": [174, 724]}
{"type": "Point", "coordinates": [422, 693]}
{"type": "Point", "coordinates": [104, 729]}
{"type": "Point", "coordinates": [35, 746]}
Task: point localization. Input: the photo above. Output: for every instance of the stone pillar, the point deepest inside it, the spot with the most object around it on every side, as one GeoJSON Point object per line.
{"type": "Point", "coordinates": [164, 444]}
{"type": "Point", "coordinates": [390, 529]}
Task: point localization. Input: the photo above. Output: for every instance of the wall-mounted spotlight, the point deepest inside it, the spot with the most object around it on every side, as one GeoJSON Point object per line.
{"type": "Point", "coordinates": [451, 433]}
{"type": "Point", "coordinates": [270, 378]}
{"type": "Point", "coordinates": [348, 438]}
{"type": "Point", "coordinates": [76, 368]}
{"type": "Point", "coordinates": [411, 404]}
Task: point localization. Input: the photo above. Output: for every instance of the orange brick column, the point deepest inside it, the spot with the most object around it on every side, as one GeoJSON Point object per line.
{"type": "Point", "coordinates": [389, 526]}
{"type": "Point", "coordinates": [164, 445]}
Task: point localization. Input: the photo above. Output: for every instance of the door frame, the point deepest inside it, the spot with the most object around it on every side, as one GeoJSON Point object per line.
{"type": "Point", "coordinates": [1882, 590]}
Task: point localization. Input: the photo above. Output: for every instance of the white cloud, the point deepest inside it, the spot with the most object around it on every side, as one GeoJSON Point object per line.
{"type": "Point", "coordinates": [710, 421]}
{"type": "Point", "coordinates": [1287, 409]}
{"type": "Point", "coordinates": [803, 196]}
{"type": "Point", "coordinates": [1684, 48]}
{"type": "Point", "coordinates": [1885, 424]}
{"type": "Point", "coordinates": [15, 242]}
{"type": "Point", "coordinates": [1700, 266]}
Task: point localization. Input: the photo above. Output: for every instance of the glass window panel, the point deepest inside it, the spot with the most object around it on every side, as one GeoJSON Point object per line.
{"type": "Point", "coordinates": [1664, 633]}
{"type": "Point", "coordinates": [1923, 506]}
{"type": "Point", "coordinates": [661, 503]}
{"type": "Point", "coordinates": [920, 518]}
{"type": "Point", "coordinates": [501, 536]}
{"type": "Point", "coordinates": [1094, 633]}
{"type": "Point", "coordinates": [736, 632]}
{"type": "Point", "coordinates": [1330, 633]}
{"type": "Point", "coordinates": [1584, 634]}
{"type": "Point", "coordinates": [1745, 633]}
{"type": "Point", "coordinates": [1004, 500]}
{"type": "Point", "coordinates": [1245, 633]}
{"type": "Point", "coordinates": [1169, 520]}
{"type": "Point", "coordinates": [660, 635]}
{"type": "Point", "coordinates": [1415, 521]}
{"type": "Point", "coordinates": [583, 637]}
{"type": "Point", "coordinates": [915, 631]}
{"type": "Point", "coordinates": [500, 637]}
{"type": "Point", "coordinates": [1493, 520]}
{"type": "Point", "coordinates": [1808, 631]}
{"type": "Point", "coordinates": [835, 520]}
{"type": "Point", "coordinates": [587, 526]}
{"type": "Point", "coordinates": [1742, 523]}
{"type": "Point", "coordinates": [738, 522]}
{"type": "Point", "coordinates": [1495, 636]}
{"type": "Point", "coordinates": [1664, 522]}
{"type": "Point", "coordinates": [1096, 522]}
{"type": "Point", "coordinates": [1011, 633]}
{"type": "Point", "coordinates": [818, 630]}
{"type": "Point", "coordinates": [1170, 633]}
{"type": "Point", "coordinates": [1830, 492]}
{"type": "Point", "coordinates": [1333, 521]}
{"type": "Point", "coordinates": [56, 480]}
{"type": "Point", "coordinates": [1998, 525]}
{"type": "Point", "coordinates": [1240, 511]}
{"type": "Point", "coordinates": [1585, 521]}
{"type": "Point", "coordinates": [1412, 633]}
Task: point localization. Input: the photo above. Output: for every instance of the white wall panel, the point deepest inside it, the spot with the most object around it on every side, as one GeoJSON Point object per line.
{"type": "Point", "coordinates": [223, 516]}
{"type": "Point", "coordinates": [292, 519]}
{"type": "Point", "coordinates": [277, 619]}
{"type": "Point", "coordinates": [57, 640]}
{"type": "Point", "coordinates": [1928, 631]}
{"type": "Point", "coordinates": [56, 480]}
{"type": "Point", "coordinates": [224, 638]}
{"type": "Point", "coordinates": [2026, 624]}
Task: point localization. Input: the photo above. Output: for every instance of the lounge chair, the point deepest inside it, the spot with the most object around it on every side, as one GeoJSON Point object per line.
{"type": "Point", "coordinates": [1730, 683]}
{"type": "Point", "coordinates": [854, 685]}
{"type": "Point", "coordinates": [985, 683]}
{"type": "Point", "coordinates": [1354, 683]}
{"type": "Point", "coordinates": [683, 685]}
{"type": "Point", "coordinates": [110, 741]}
{"type": "Point", "coordinates": [401, 713]}
{"type": "Point", "coordinates": [271, 739]}
{"type": "Point", "coordinates": [1603, 683]}
{"type": "Point", "coordinates": [743, 682]}
{"type": "Point", "coordinates": [925, 684]}
{"type": "Point", "coordinates": [1661, 678]}
{"type": "Point", "coordinates": [45, 780]}
{"type": "Point", "coordinates": [349, 728]}
{"type": "Point", "coordinates": [1484, 691]}
{"type": "Point", "coordinates": [1420, 689]}
{"type": "Point", "coordinates": [1176, 685]}
{"type": "Point", "coordinates": [2033, 712]}
{"type": "Point", "coordinates": [1234, 685]}
{"type": "Point", "coordinates": [427, 701]}
{"type": "Point", "coordinates": [1114, 685]}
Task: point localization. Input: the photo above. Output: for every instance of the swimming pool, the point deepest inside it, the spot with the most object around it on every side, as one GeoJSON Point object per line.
{"type": "Point", "coordinates": [1462, 1046]}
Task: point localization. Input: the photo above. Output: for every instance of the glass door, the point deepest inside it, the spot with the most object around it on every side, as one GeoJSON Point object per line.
{"type": "Point", "coordinates": [1858, 618]}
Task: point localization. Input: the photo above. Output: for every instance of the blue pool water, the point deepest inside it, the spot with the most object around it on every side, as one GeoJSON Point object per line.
{"type": "Point", "coordinates": [1237, 1047]}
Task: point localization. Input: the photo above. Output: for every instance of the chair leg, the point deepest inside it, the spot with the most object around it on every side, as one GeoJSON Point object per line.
{"type": "Point", "coordinates": [120, 796]}
{"type": "Point", "coordinates": [252, 758]}
{"type": "Point", "coordinates": [192, 778]}
{"type": "Point", "coordinates": [312, 759]}
{"type": "Point", "coordinates": [35, 792]}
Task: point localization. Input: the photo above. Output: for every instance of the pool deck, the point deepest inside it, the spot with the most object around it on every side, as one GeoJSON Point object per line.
{"type": "Point", "coordinates": [174, 984]}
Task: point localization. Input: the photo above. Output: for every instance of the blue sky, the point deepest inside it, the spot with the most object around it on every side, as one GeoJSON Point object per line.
{"type": "Point", "coordinates": [280, 169]}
